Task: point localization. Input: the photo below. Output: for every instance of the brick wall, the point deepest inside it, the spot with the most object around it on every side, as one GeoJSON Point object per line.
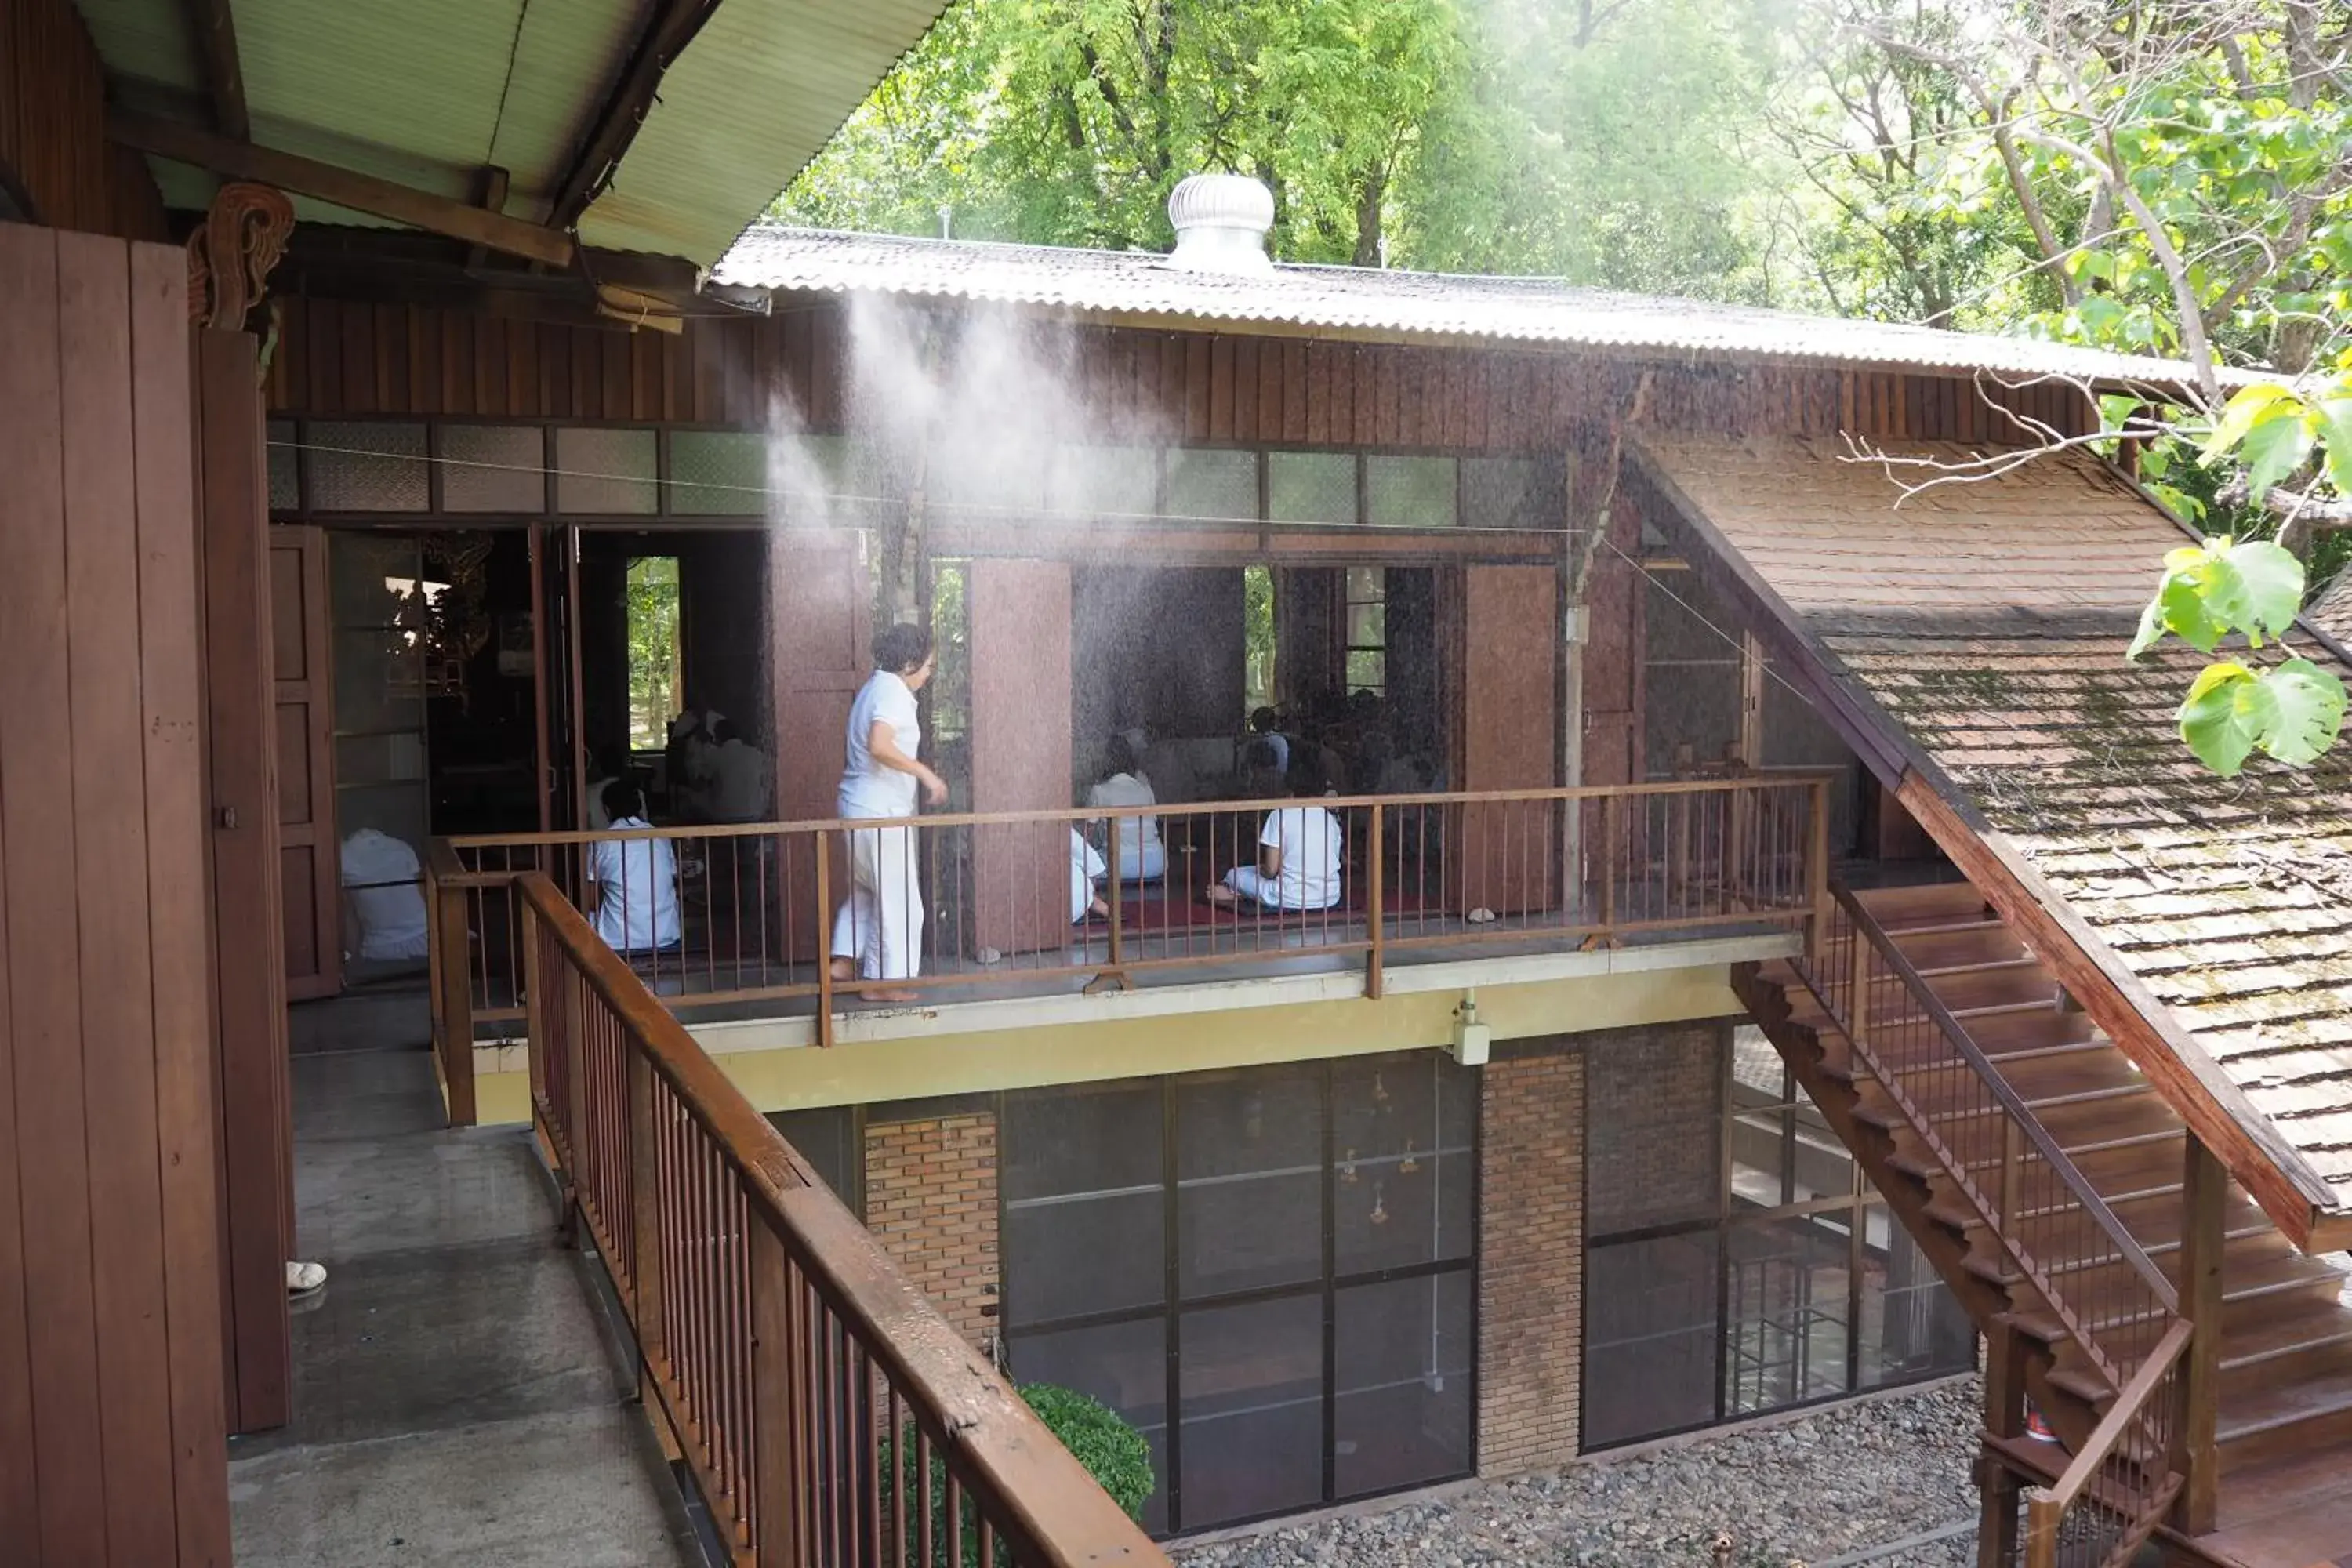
{"type": "Point", "coordinates": [1531, 1260]}
{"type": "Point", "coordinates": [930, 1197]}
{"type": "Point", "coordinates": [1652, 1100]}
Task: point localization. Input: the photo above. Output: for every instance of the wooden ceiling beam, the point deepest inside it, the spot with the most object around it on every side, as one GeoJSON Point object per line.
{"type": "Point", "coordinates": [669, 28]}
{"type": "Point", "coordinates": [215, 27]}
{"type": "Point", "coordinates": [344, 187]}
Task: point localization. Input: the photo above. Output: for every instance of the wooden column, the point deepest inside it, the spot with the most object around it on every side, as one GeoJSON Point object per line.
{"type": "Point", "coordinates": [1501, 855]}
{"type": "Point", "coordinates": [2205, 1194]}
{"type": "Point", "coordinates": [110, 1366]}
{"type": "Point", "coordinates": [1020, 877]}
{"type": "Point", "coordinates": [250, 958]}
{"type": "Point", "coordinates": [2004, 1416]}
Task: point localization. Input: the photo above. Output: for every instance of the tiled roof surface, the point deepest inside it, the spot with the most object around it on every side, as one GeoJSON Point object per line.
{"type": "Point", "coordinates": [1382, 304]}
{"type": "Point", "coordinates": [2332, 611]}
{"type": "Point", "coordinates": [1991, 626]}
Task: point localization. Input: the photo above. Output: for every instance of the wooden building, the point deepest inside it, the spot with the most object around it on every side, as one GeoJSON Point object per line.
{"type": "Point", "coordinates": [1775, 942]}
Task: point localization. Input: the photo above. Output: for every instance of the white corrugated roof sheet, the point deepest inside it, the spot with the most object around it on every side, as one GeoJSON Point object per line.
{"type": "Point", "coordinates": [1363, 302]}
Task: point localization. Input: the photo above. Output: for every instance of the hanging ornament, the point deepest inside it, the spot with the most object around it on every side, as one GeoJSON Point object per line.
{"type": "Point", "coordinates": [1407, 1165]}
{"type": "Point", "coordinates": [1380, 1092]}
{"type": "Point", "coordinates": [1348, 1177]}
{"type": "Point", "coordinates": [1380, 1206]}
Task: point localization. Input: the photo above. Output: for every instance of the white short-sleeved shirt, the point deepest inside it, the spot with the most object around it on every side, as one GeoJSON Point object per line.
{"type": "Point", "coordinates": [1127, 790]}
{"type": "Point", "coordinates": [637, 891]}
{"type": "Point", "coordinates": [1309, 838]}
{"type": "Point", "coordinates": [868, 788]}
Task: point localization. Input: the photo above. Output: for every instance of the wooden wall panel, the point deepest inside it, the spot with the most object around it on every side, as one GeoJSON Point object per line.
{"type": "Point", "coordinates": [819, 601]}
{"type": "Point", "coordinates": [1505, 855]}
{"type": "Point", "coordinates": [1020, 629]}
{"type": "Point", "coordinates": [249, 878]}
{"type": "Point", "coordinates": [54, 153]}
{"type": "Point", "coordinates": [110, 1335]}
{"type": "Point", "coordinates": [303, 728]}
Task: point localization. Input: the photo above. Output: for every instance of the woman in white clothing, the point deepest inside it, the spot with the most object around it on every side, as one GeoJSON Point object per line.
{"type": "Point", "coordinates": [1123, 787]}
{"type": "Point", "coordinates": [877, 932]}
{"type": "Point", "coordinates": [1299, 853]}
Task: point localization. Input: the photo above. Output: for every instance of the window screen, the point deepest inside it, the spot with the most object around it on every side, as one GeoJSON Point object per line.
{"type": "Point", "coordinates": [367, 467]}
{"type": "Point", "coordinates": [1409, 492]}
{"type": "Point", "coordinates": [493, 467]}
{"type": "Point", "coordinates": [717, 473]}
{"type": "Point", "coordinates": [606, 472]}
{"type": "Point", "coordinates": [1310, 486]}
{"type": "Point", "coordinates": [1212, 484]}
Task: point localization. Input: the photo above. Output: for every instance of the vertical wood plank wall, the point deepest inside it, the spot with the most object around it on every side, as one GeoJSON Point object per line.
{"type": "Point", "coordinates": [1509, 728]}
{"type": "Point", "coordinates": [309, 880]}
{"type": "Point", "coordinates": [109, 1305]}
{"type": "Point", "coordinates": [1020, 618]}
{"type": "Point", "coordinates": [819, 605]}
{"type": "Point", "coordinates": [250, 953]}
{"type": "Point", "coordinates": [345, 359]}
{"type": "Point", "coordinates": [54, 153]}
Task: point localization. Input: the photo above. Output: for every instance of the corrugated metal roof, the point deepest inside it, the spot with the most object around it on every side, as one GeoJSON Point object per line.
{"type": "Point", "coordinates": [1991, 626]}
{"type": "Point", "coordinates": [1385, 303]}
{"type": "Point", "coordinates": [421, 92]}
{"type": "Point", "coordinates": [763, 86]}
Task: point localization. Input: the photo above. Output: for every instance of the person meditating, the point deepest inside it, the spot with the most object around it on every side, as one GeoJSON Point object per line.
{"type": "Point", "coordinates": [1123, 786]}
{"type": "Point", "coordinates": [1298, 852]}
{"type": "Point", "coordinates": [877, 932]}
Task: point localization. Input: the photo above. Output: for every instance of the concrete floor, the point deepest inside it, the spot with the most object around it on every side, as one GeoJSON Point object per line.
{"type": "Point", "coordinates": [457, 1397]}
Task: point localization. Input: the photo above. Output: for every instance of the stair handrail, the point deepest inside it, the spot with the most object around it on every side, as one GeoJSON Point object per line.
{"type": "Point", "coordinates": [1957, 1033]}
{"type": "Point", "coordinates": [2046, 1507]}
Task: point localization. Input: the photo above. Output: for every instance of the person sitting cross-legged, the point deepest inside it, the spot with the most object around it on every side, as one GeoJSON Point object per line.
{"type": "Point", "coordinates": [1299, 851]}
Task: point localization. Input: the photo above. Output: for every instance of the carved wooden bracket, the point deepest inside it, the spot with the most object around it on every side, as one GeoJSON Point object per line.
{"type": "Point", "coordinates": [230, 256]}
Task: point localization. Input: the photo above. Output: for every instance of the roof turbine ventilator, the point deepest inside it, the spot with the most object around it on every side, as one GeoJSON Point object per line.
{"type": "Point", "coordinates": [1221, 223]}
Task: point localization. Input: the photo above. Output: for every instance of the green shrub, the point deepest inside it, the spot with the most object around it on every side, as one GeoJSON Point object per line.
{"type": "Point", "coordinates": [1097, 1436]}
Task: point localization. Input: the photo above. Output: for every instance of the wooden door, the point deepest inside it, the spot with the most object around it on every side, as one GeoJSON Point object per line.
{"type": "Point", "coordinates": [818, 599]}
{"type": "Point", "coordinates": [1019, 874]}
{"type": "Point", "coordinates": [307, 841]}
{"type": "Point", "coordinates": [249, 873]}
{"type": "Point", "coordinates": [109, 1263]}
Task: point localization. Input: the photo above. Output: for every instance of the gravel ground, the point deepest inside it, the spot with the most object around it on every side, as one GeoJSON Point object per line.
{"type": "Point", "coordinates": [1811, 1491]}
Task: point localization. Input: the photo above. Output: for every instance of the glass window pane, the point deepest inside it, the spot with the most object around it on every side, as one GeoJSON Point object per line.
{"type": "Point", "coordinates": [1104, 481]}
{"type": "Point", "coordinates": [1368, 626]}
{"type": "Point", "coordinates": [1085, 1202]}
{"type": "Point", "coordinates": [986, 477]}
{"type": "Point", "coordinates": [1514, 492]}
{"type": "Point", "coordinates": [1125, 1365]}
{"type": "Point", "coordinates": [1310, 486]}
{"type": "Point", "coordinates": [493, 467]}
{"type": "Point", "coordinates": [1250, 1179]}
{"type": "Point", "coordinates": [1786, 1341]}
{"type": "Point", "coordinates": [717, 473]}
{"type": "Point", "coordinates": [1367, 671]}
{"type": "Point", "coordinates": [1650, 1337]}
{"type": "Point", "coordinates": [1401, 1351]}
{"type": "Point", "coordinates": [1402, 1192]}
{"type": "Point", "coordinates": [1213, 484]}
{"type": "Point", "coordinates": [1251, 1382]}
{"type": "Point", "coordinates": [367, 467]}
{"type": "Point", "coordinates": [1367, 585]}
{"type": "Point", "coordinates": [1912, 1327]}
{"type": "Point", "coordinates": [827, 1139]}
{"type": "Point", "coordinates": [606, 472]}
{"type": "Point", "coordinates": [1409, 492]}
{"type": "Point", "coordinates": [285, 468]}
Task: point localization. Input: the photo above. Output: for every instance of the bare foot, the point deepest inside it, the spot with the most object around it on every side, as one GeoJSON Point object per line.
{"type": "Point", "coordinates": [1100, 910]}
{"type": "Point", "coordinates": [844, 969]}
{"type": "Point", "coordinates": [1221, 895]}
{"type": "Point", "coordinates": [889, 995]}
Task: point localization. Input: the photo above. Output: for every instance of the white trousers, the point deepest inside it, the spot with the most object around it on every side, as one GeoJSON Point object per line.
{"type": "Point", "coordinates": [881, 923]}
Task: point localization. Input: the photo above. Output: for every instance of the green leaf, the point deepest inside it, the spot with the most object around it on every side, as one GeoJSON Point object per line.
{"type": "Point", "coordinates": [2255, 587]}
{"type": "Point", "coordinates": [2217, 718]}
{"type": "Point", "coordinates": [2305, 711]}
{"type": "Point", "coordinates": [2336, 430]}
{"type": "Point", "coordinates": [2240, 414]}
{"type": "Point", "coordinates": [2275, 446]}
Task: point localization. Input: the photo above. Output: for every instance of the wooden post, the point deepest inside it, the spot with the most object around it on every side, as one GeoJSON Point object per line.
{"type": "Point", "coordinates": [1858, 1011]}
{"type": "Point", "coordinates": [823, 937]}
{"type": "Point", "coordinates": [2205, 1189]}
{"type": "Point", "coordinates": [645, 1205]}
{"type": "Point", "coordinates": [2013, 1153]}
{"type": "Point", "coordinates": [1613, 829]}
{"type": "Point", "coordinates": [456, 980]}
{"type": "Point", "coordinates": [572, 1040]}
{"type": "Point", "coordinates": [1376, 897]}
{"type": "Point", "coordinates": [534, 1006]}
{"type": "Point", "coordinates": [1817, 869]}
{"type": "Point", "coordinates": [2004, 1416]}
{"type": "Point", "coordinates": [774, 1401]}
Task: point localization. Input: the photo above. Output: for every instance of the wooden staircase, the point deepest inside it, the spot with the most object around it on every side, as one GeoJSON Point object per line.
{"type": "Point", "coordinates": [2086, 1232]}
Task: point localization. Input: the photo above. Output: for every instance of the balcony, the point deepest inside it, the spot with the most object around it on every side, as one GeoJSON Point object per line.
{"type": "Point", "coordinates": [1431, 891]}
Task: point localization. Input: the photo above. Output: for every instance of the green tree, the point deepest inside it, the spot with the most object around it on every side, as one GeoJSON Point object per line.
{"type": "Point", "coordinates": [655, 670]}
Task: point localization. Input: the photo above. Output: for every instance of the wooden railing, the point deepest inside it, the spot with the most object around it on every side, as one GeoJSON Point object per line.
{"type": "Point", "coordinates": [2065, 1255]}
{"type": "Point", "coordinates": [756, 902]}
{"type": "Point", "coordinates": [826, 1411]}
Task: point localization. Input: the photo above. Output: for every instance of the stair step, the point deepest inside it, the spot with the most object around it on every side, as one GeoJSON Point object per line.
{"type": "Point", "coordinates": [1959, 942]}
{"type": "Point", "coordinates": [1922, 901]}
{"type": "Point", "coordinates": [2313, 1331]}
{"type": "Point", "coordinates": [1963, 987]}
{"type": "Point", "coordinates": [2262, 1277]}
{"type": "Point", "coordinates": [2286, 1416]}
{"type": "Point", "coordinates": [1999, 1034]}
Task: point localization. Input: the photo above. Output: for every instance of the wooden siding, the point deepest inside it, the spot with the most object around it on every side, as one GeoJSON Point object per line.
{"type": "Point", "coordinates": [109, 1283]}
{"type": "Point", "coordinates": [338, 359]}
{"type": "Point", "coordinates": [1019, 614]}
{"type": "Point", "coordinates": [53, 147]}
